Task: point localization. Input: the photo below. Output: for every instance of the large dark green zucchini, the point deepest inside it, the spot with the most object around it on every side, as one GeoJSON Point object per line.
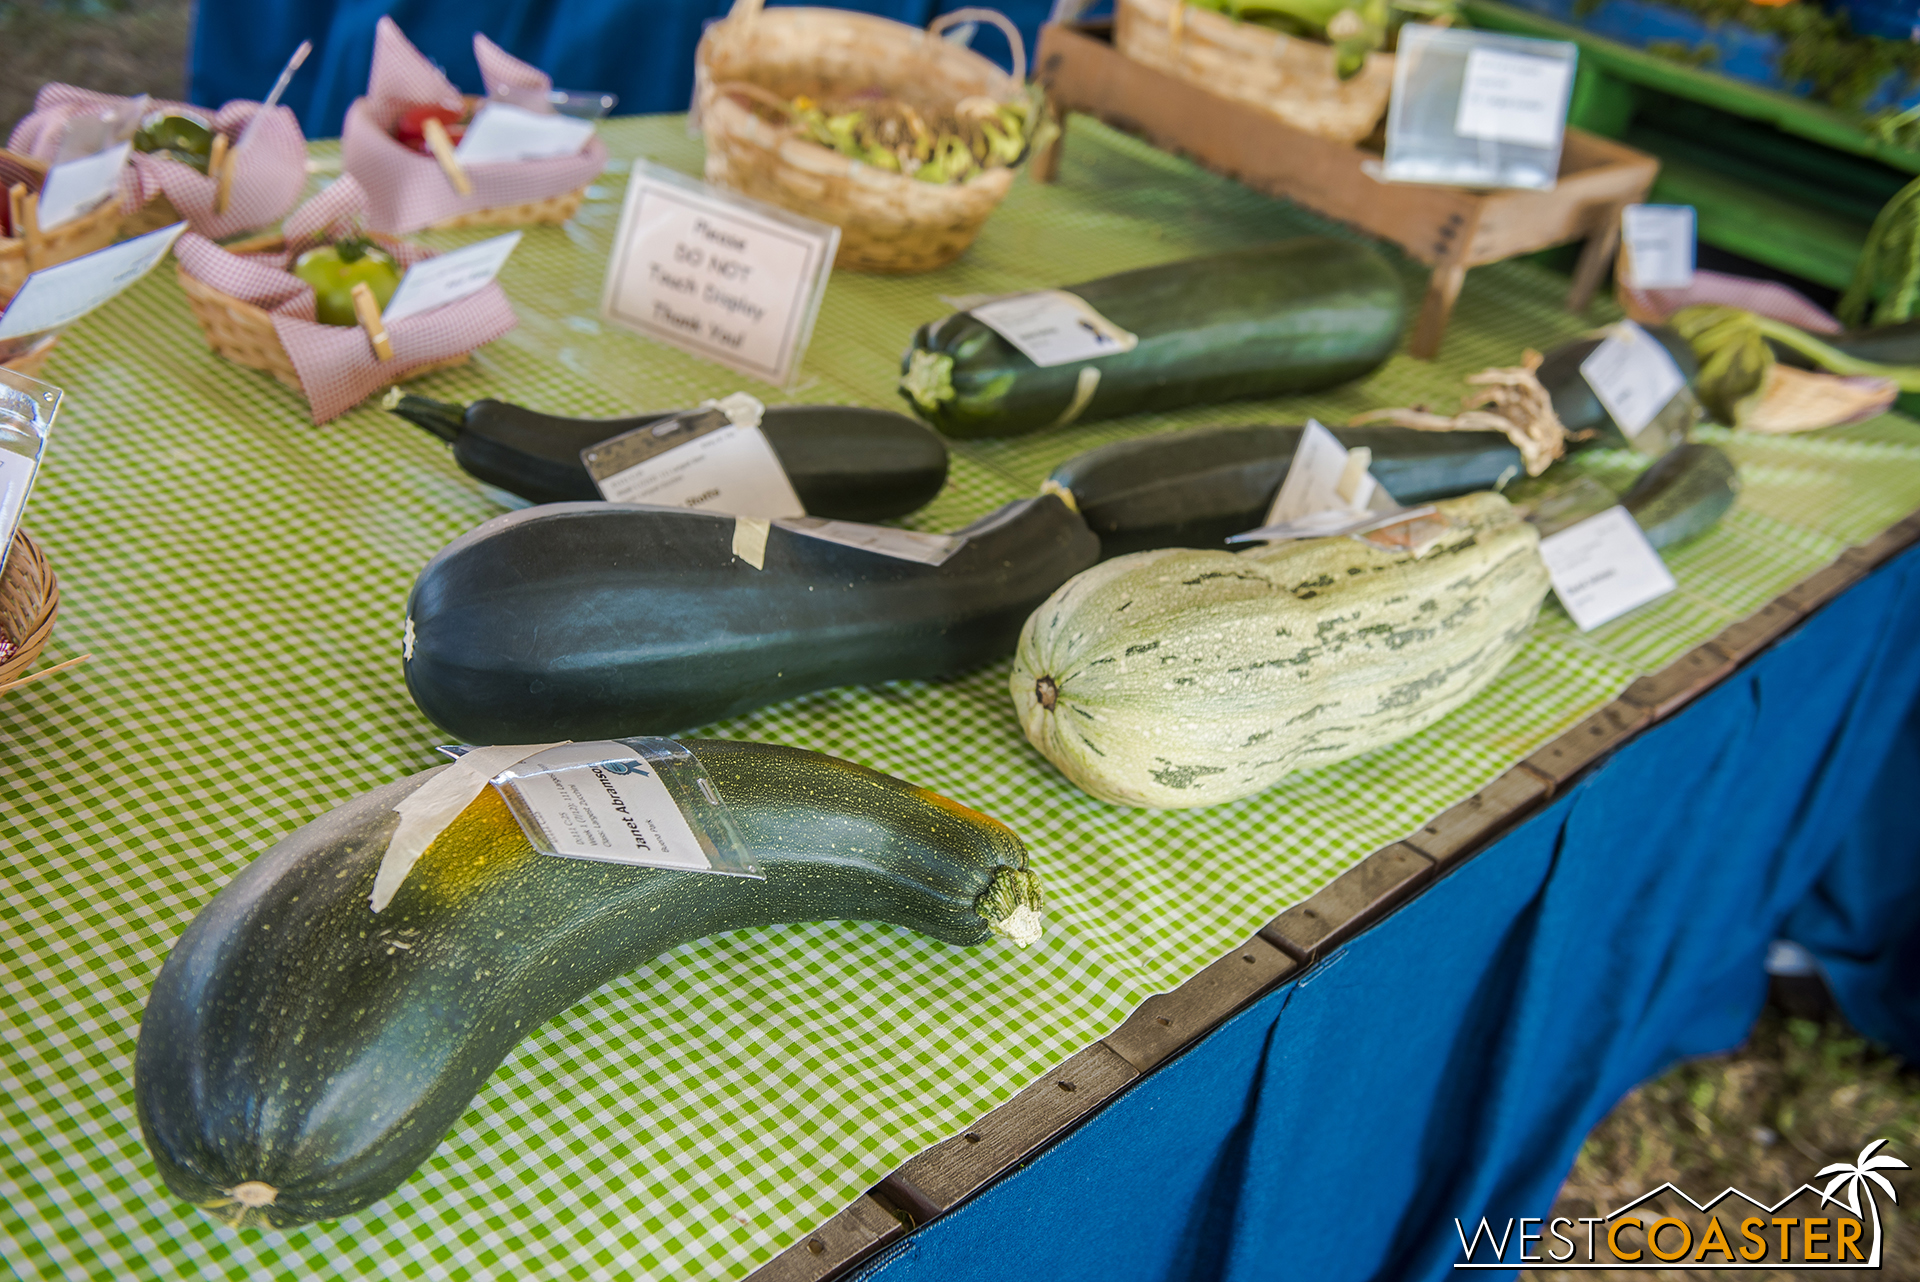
{"type": "Point", "coordinates": [847, 463]}
{"type": "Point", "coordinates": [1194, 489]}
{"type": "Point", "coordinates": [301, 1055]}
{"type": "Point", "coordinates": [1290, 317]}
{"type": "Point", "coordinates": [594, 620]}
{"type": "Point", "coordinates": [1683, 494]}
{"type": "Point", "coordinates": [1578, 409]}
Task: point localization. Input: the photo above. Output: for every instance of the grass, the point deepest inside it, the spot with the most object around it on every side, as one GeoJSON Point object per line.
{"type": "Point", "coordinates": [1799, 1095]}
{"type": "Point", "coordinates": [116, 46]}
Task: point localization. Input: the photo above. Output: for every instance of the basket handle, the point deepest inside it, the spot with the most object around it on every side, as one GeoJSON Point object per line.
{"type": "Point", "coordinates": [958, 16]}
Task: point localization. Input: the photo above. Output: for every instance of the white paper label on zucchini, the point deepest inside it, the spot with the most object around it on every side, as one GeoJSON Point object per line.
{"type": "Point", "coordinates": [1659, 242]}
{"type": "Point", "coordinates": [449, 277]}
{"type": "Point", "coordinates": [1327, 491]}
{"type": "Point", "coordinates": [709, 464]}
{"type": "Point", "coordinates": [1604, 567]}
{"type": "Point", "coordinates": [1054, 327]}
{"type": "Point", "coordinates": [615, 802]}
{"type": "Point", "coordinates": [72, 189]}
{"type": "Point", "coordinates": [501, 132]}
{"type": "Point", "coordinates": [902, 545]}
{"type": "Point", "coordinates": [1513, 97]}
{"type": "Point", "coordinates": [716, 274]}
{"type": "Point", "coordinates": [63, 293]}
{"type": "Point", "coordinates": [1633, 375]}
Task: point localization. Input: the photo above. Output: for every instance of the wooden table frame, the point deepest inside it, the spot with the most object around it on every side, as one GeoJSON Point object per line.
{"type": "Point", "coordinates": [1449, 229]}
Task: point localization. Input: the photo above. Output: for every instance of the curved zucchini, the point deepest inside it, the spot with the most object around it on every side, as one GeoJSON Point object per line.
{"type": "Point", "coordinates": [594, 620]}
{"type": "Point", "coordinates": [1578, 408]}
{"type": "Point", "coordinates": [846, 462]}
{"type": "Point", "coordinates": [1289, 317]}
{"type": "Point", "coordinates": [301, 1055]}
{"type": "Point", "coordinates": [1683, 494]}
{"type": "Point", "coordinates": [1194, 489]}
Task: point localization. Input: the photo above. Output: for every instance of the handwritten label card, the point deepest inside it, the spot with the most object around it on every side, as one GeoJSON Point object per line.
{"type": "Point", "coordinates": [1054, 327]}
{"type": "Point", "coordinates": [1513, 97]}
{"type": "Point", "coordinates": [1633, 375]}
{"type": "Point", "coordinates": [449, 277]}
{"type": "Point", "coordinates": [718, 275]}
{"type": "Point", "coordinates": [1603, 567]}
{"type": "Point", "coordinates": [501, 132]}
{"type": "Point", "coordinates": [1659, 244]}
{"type": "Point", "coordinates": [73, 188]}
{"type": "Point", "coordinates": [63, 293]}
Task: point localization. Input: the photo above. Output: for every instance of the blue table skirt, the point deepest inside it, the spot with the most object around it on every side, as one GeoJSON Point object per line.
{"type": "Point", "coordinates": [1450, 1061]}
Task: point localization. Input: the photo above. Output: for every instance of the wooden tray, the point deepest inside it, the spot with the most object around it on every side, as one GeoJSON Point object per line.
{"type": "Point", "coordinates": [1448, 228]}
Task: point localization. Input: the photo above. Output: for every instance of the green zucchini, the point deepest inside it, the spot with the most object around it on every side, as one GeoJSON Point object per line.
{"type": "Point", "coordinates": [1194, 489]}
{"type": "Point", "coordinates": [1289, 317]}
{"type": "Point", "coordinates": [846, 462]}
{"type": "Point", "coordinates": [1578, 409]}
{"type": "Point", "coordinates": [595, 620]}
{"type": "Point", "coordinates": [1683, 494]}
{"type": "Point", "coordinates": [300, 1055]}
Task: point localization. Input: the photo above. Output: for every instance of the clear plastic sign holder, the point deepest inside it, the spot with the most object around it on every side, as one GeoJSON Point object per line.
{"type": "Point", "coordinates": [27, 410]}
{"type": "Point", "coordinates": [1477, 109]}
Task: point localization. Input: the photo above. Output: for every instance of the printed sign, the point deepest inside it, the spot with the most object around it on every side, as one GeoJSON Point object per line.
{"type": "Point", "coordinates": [718, 275]}
{"type": "Point", "coordinates": [73, 188]}
{"type": "Point", "coordinates": [27, 410]}
{"type": "Point", "coordinates": [1659, 242]}
{"type": "Point", "coordinates": [1054, 327]}
{"type": "Point", "coordinates": [1633, 375]}
{"type": "Point", "coordinates": [449, 277]}
{"type": "Point", "coordinates": [63, 293]}
{"type": "Point", "coordinates": [1603, 567]}
{"type": "Point", "coordinates": [1513, 97]}
{"type": "Point", "coordinates": [702, 460]}
{"type": "Point", "coordinates": [501, 132]}
{"type": "Point", "coordinates": [601, 801]}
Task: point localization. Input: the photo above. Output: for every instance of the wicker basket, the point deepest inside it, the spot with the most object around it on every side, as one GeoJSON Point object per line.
{"type": "Point", "coordinates": [31, 361]}
{"type": "Point", "coordinates": [530, 213]}
{"type": "Point", "coordinates": [888, 222]}
{"type": "Point", "coordinates": [29, 598]}
{"type": "Point", "coordinates": [34, 249]}
{"type": "Point", "coordinates": [244, 333]}
{"type": "Point", "coordinates": [1287, 77]}
{"type": "Point", "coordinates": [152, 216]}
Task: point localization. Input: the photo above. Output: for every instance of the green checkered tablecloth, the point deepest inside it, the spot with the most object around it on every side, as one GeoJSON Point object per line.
{"type": "Point", "coordinates": [239, 576]}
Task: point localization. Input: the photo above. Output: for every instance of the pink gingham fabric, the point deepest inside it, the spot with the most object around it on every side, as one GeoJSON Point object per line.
{"type": "Point", "coordinates": [336, 363]}
{"type": "Point", "coordinates": [271, 175]}
{"type": "Point", "coordinates": [1761, 297]}
{"type": "Point", "coordinates": [406, 190]}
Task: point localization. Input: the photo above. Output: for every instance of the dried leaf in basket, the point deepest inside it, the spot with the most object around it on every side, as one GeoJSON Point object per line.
{"type": "Point", "coordinates": [1511, 400]}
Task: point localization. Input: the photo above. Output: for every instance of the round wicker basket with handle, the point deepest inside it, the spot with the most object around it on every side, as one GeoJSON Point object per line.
{"type": "Point", "coordinates": [31, 247]}
{"type": "Point", "coordinates": [29, 598]}
{"type": "Point", "coordinates": [889, 222]}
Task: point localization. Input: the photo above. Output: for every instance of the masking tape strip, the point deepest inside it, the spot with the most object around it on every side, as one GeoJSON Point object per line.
{"type": "Point", "coordinates": [750, 540]}
{"type": "Point", "coordinates": [428, 809]}
{"type": "Point", "coordinates": [741, 409]}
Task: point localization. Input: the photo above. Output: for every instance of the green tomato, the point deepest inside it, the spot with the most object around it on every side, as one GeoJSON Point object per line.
{"type": "Point", "coordinates": [333, 271]}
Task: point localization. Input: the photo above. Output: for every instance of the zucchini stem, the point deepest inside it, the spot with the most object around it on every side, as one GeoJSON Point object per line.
{"type": "Point", "coordinates": [1010, 905]}
{"type": "Point", "coordinates": [1835, 361]}
{"type": "Point", "coordinates": [929, 379]}
{"type": "Point", "coordinates": [443, 418]}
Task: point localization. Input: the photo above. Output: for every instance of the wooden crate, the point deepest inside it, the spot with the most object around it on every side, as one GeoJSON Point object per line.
{"type": "Point", "coordinates": [1449, 229]}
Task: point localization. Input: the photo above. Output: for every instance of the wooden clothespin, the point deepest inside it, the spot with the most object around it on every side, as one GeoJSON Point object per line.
{"type": "Point", "coordinates": [368, 312]}
{"type": "Point", "coordinates": [29, 228]}
{"type": "Point", "coordinates": [220, 165]}
{"type": "Point", "coordinates": [442, 144]}
{"type": "Point", "coordinates": [17, 210]}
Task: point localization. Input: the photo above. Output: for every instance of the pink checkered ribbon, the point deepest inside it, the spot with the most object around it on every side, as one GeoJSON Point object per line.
{"type": "Point", "coordinates": [1761, 297]}
{"type": "Point", "coordinates": [271, 175]}
{"type": "Point", "coordinates": [406, 190]}
{"type": "Point", "coordinates": [336, 363]}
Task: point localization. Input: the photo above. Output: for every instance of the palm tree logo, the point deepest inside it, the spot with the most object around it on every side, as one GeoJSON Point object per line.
{"type": "Point", "coordinates": [1854, 1176]}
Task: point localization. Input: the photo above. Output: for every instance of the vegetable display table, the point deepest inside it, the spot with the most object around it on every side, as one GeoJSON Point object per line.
{"type": "Point", "coordinates": [239, 577]}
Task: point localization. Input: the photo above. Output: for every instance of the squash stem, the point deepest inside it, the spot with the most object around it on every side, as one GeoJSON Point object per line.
{"type": "Point", "coordinates": [1835, 361]}
{"type": "Point", "coordinates": [443, 418]}
{"type": "Point", "coordinates": [1010, 905]}
{"type": "Point", "coordinates": [929, 379]}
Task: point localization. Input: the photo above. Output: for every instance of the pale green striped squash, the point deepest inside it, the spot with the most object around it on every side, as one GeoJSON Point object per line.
{"type": "Point", "coordinates": [1185, 677]}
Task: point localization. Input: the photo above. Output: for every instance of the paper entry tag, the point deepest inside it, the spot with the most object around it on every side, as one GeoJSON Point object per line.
{"type": "Point", "coordinates": [1633, 375]}
{"type": "Point", "coordinates": [449, 277]}
{"type": "Point", "coordinates": [1054, 327]}
{"type": "Point", "coordinates": [1513, 97]}
{"type": "Point", "coordinates": [1603, 567]}
{"type": "Point", "coordinates": [63, 293]}
{"type": "Point", "coordinates": [71, 189]}
{"type": "Point", "coordinates": [901, 545]}
{"type": "Point", "coordinates": [501, 132]}
{"type": "Point", "coordinates": [716, 274]}
{"type": "Point", "coordinates": [1659, 241]}
{"type": "Point", "coordinates": [702, 460]}
{"type": "Point", "coordinates": [602, 801]}
{"type": "Point", "coordinates": [1327, 491]}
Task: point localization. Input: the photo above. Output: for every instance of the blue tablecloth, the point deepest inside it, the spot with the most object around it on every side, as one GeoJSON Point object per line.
{"type": "Point", "coordinates": [641, 51]}
{"type": "Point", "coordinates": [1451, 1061]}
